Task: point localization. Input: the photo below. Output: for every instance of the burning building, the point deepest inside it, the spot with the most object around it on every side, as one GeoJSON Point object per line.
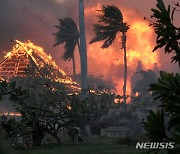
{"type": "Point", "coordinates": [29, 59]}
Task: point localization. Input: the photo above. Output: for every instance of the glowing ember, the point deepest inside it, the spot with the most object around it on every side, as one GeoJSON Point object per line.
{"type": "Point", "coordinates": [69, 107]}
{"type": "Point", "coordinates": [23, 53]}
{"type": "Point", "coordinates": [29, 48]}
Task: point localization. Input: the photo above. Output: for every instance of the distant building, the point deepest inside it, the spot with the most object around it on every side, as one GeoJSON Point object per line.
{"type": "Point", "coordinates": [117, 132]}
{"type": "Point", "coordinates": [136, 76]}
{"type": "Point", "coordinates": [156, 69]}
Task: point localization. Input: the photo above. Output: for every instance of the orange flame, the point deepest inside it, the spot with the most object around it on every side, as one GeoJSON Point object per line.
{"type": "Point", "coordinates": [109, 62]}
{"type": "Point", "coordinates": [28, 48]}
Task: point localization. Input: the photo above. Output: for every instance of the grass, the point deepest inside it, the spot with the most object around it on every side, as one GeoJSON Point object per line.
{"type": "Point", "coordinates": [99, 146]}
{"type": "Point", "coordinates": [95, 147]}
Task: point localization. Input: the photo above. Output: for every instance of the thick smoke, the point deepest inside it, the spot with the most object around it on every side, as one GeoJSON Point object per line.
{"type": "Point", "coordinates": [31, 20]}
{"type": "Point", "coordinates": [35, 19]}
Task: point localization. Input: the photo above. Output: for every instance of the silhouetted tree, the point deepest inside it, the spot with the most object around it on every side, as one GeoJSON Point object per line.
{"type": "Point", "coordinates": [168, 35]}
{"type": "Point", "coordinates": [110, 23]}
{"type": "Point", "coordinates": [69, 35]}
{"type": "Point", "coordinates": [43, 107]}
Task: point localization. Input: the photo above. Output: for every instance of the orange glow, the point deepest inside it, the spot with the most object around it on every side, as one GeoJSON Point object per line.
{"type": "Point", "coordinates": [116, 100]}
{"type": "Point", "coordinates": [69, 107]}
{"type": "Point", "coordinates": [137, 94]}
{"type": "Point", "coordinates": [29, 48]}
{"type": "Point", "coordinates": [33, 51]}
{"type": "Point", "coordinates": [109, 62]}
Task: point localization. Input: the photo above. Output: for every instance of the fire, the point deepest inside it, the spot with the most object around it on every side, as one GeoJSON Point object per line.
{"type": "Point", "coordinates": [29, 47]}
{"type": "Point", "coordinates": [69, 107]}
{"type": "Point", "coordinates": [109, 62]}
{"type": "Point", "coordinates": [9, 54]}
{"type": "Point", "coordinates": [41, 59]}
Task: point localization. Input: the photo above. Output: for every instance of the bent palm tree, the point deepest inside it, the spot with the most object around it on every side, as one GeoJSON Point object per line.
{"type": "Point", "coordinates": [111, 23]}
{"type": "Point", "coordinates": [69, 35]}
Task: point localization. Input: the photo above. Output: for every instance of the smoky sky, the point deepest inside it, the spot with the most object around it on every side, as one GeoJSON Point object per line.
{"type": "Point", "coordinates": [35, 19]}
{"type": "Point", "coordinates": [29, 20]}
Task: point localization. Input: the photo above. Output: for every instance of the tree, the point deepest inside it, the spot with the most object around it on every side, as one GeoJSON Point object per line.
{"type": "Point", "coordinates": [68, 33]}
{"type": "Point", "coordinates": [96, 81]}
{"type": "Point", "coordinates": [110, 23]}
{"type": "Point", "coordinates": [155, 126]}
{"type": "Point", "coordinates": [83, 49]}
{"type": "Point", "coordinates": [7, 88]}
{"type": "Point", "coordinates": [168, 91]}
{"type": "Point", "coordinates": [89, 110]}
{"type": "Point", "coordinates": [43, 107]}
{"type": "Point", "coordinates": [167, 88]}
{"type": "Point", "coordinates": [168, 35]}
{"type": "Point", "coordinates": [168, 120]}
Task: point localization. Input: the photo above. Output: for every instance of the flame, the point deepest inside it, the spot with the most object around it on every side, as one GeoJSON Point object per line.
{"type": "Point", "coordinates": [9, 54]}
{"type": "Point", "coordinates": [34, 51]}
{"type": "Point", "coordinates": [29, 47]}
{"type": "Point", "coordinates": [109, 62]}
{"type": "Point", "coordinates": [69, 107]}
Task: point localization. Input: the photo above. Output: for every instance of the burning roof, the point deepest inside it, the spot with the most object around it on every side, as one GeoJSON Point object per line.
{"type": "Point", "coordinates": [29, 59]}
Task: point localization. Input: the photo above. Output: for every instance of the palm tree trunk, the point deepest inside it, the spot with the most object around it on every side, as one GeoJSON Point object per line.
{"type": "Point", "coordinates": [83, 50]}
{"type": "Point", "coordinates": [74, 66]}
{"type": "Point", "coordinates": [125, 69]}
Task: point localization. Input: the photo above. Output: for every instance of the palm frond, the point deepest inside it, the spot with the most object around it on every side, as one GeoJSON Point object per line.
{"type": "Point", "coordinates": [110, 23]}
{"type": "Point", "coordinates": [155, 126]}
{"type": "Point", "coordinates": [69, 50]}
{"type": "Point", "coordinates": [68, 35]}
{"type": "Point", "coordinates": [111, 13]}
{"type": "Point", "coordinates": [167, 34]}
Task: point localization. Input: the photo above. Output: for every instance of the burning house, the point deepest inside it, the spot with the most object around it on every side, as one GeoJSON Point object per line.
{"type": "Point", "coordinates": [28, 59]}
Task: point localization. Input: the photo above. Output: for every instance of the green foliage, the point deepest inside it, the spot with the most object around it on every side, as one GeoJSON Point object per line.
{"type": "Point", "coordinates": [168, 91]}
{"type": "Point", "coordinates": [68, 33]}
{"type": "Point", "coordinates": [168, 35]}
{"type": "Point", "coordinates": [43, 107]}
{"type": "Point", "coordinates": [110, 23]}
{"type": "Point", "coordinates": [9, 88]}
{"type": "Point", "coordinates": [168, 87]}
{"type": "Point", "coordinates": [46, 106]}
{"type": "Point", "coordinates": [155, 126]}
{"type": "Point", "coordinates": [85, 111]}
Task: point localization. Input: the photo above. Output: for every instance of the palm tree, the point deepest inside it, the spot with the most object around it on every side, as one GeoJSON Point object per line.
{"type": "Point", "coordinates": [83, 49]}
{"type": "Point", "coordinates": [111, 23]}
{"type": "Point", "coordinates": [69, 35]}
